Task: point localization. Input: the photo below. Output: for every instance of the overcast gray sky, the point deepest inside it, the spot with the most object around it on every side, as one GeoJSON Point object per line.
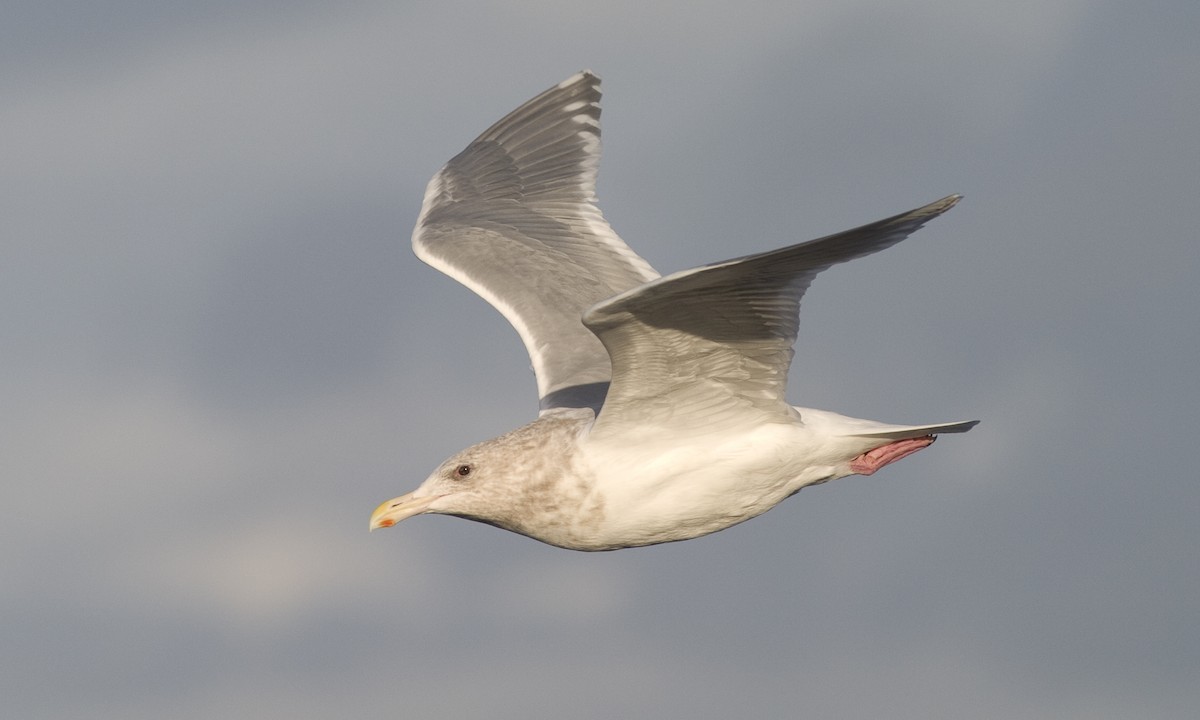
{"type": "Point", "coordinates": [219, 354]}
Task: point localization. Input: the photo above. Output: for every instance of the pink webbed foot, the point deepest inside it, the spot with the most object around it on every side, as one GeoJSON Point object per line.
{"type": "Point", "coordinates": [869, 462]}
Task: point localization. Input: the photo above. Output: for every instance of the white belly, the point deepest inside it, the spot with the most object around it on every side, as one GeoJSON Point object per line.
{"type": "Point", "coordinates": [651, 495]}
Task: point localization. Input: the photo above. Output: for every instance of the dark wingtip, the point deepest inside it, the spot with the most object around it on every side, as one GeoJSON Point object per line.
{"type": "Point", "coordinates": [937, 207]}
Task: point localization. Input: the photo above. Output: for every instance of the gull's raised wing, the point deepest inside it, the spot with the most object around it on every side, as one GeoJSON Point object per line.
{"type": "Point", "coordinates": [514, 218]}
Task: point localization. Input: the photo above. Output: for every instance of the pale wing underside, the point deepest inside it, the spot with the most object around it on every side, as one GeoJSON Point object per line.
{"type": "Point", "coordinates": [513, 217]}
{"type": "Point", "coordinates": [706, 348]}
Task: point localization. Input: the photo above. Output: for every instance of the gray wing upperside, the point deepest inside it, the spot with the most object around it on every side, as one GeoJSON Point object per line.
{"type": "Point", "coordinates": [514, 218]}
{"type": "Point", "coordinates": [702, 348]}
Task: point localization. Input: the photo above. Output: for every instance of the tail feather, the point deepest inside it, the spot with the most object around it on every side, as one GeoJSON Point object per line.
{"type": "Point", "coordinates": [903, 432]}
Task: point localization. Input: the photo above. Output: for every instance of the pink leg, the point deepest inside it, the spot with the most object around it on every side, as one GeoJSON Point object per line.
{"type": "Point", "coordinates": [869, 462]}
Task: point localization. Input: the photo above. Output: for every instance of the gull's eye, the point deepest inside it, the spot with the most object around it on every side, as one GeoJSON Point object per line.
{"type": "Point", "coordinates": [462, 471]}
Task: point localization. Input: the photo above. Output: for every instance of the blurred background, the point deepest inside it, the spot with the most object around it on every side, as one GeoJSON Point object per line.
{"type": "Point", "coordinates": [218, 355]}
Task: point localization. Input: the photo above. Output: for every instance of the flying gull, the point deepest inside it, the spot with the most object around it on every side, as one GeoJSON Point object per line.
{"type": "Point", "coordinates": [662, 413]}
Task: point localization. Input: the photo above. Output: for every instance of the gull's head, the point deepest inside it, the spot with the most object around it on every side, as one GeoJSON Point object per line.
{"type": "Point", "coordinates": [456, 484]}
{"type": "Point", "coordinates": [514, 481]}
{"type": "Point", "coordinates": [483, 482]}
